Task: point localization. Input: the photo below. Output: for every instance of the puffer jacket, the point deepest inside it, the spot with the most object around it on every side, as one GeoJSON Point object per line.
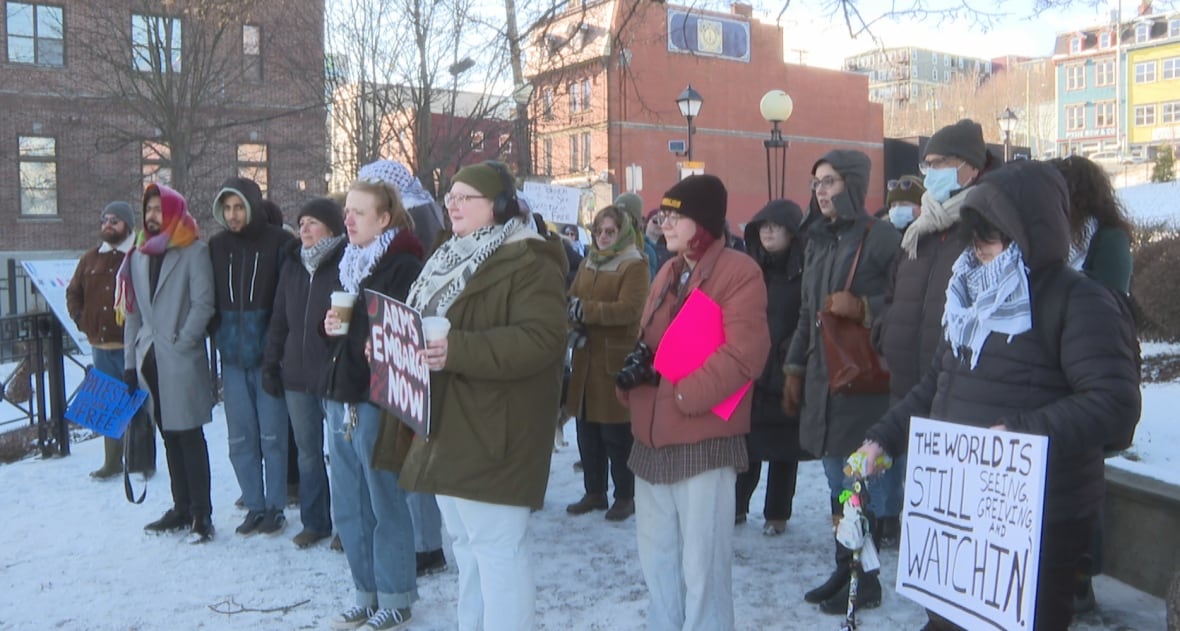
{"type": "Point", "coordinates": [1083, 399]}
{"type": "Point", "coordinates": [294, 346]}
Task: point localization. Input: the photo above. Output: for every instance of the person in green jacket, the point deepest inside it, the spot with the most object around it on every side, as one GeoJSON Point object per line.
{"type": "Point", "coordinates": [495, 384]}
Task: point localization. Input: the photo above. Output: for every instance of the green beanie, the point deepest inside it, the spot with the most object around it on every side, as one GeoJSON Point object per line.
{"type": "Point", "coordinates": [631, 203]}
{"type": "Point", "coordinates": [483, 177]}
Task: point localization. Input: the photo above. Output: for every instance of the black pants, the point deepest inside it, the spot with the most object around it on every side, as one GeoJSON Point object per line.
{"type": "Point", "coordinates": [780, 488]}
{"type": "Point", "coordinates": [1062, 546]}
{"type": "Point", "coordinates": [603, 446]}
{"type": "Point", "coordinates": [187, 454]}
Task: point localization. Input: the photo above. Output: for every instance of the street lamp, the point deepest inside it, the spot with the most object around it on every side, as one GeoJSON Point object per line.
{"type": "Point", "coordinates": [689, 103]}
{"type": "Point", "coordinates": [1007, 120]}
{"type": "Point", "coordinates": [522, 95]}
{"type": "Point", "coordinates": [776, 107]}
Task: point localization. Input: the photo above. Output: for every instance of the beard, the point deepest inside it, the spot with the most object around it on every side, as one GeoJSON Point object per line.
{"type": "Point", "coordinates": [152, 228]}
{"type": "Point", "coordinates": [114, 237]}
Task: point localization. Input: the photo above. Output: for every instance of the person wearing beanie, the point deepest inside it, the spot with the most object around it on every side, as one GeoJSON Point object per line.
{"type": "Point", "coordinates": [688, 449]}
{"type": "Point", "coordinates": [427, 215]}
{"type": "Point", "coordinates": [495, 384]}
{"type": "Point", "coordinates": [632, 205]}
{"type": "Point", "coordinates": [90, 299]}
{"type": "Point", "coordinates": [832, 425]}
{"type": "Point", "coordinates": [904, 200]}
{"type": "Point", "coordinates": [295, 352]}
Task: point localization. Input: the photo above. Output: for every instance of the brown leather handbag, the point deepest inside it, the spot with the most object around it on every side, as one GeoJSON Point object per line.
{"type": "Point", "coordinates": [853, 366]}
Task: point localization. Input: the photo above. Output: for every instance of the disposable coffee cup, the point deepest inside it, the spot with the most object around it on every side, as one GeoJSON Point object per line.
{"type": "Point", "coordinates": [435, 328]}
{"type": "Point", "coordinates": [342, 303]}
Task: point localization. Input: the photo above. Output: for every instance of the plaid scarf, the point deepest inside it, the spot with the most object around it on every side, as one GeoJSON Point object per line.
{"type": "Point", "coordinates": [982, 299]}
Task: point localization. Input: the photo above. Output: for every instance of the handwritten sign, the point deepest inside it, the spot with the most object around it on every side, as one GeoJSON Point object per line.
{"type": "Point", "coordinates": [558, 204]}
{"type": "Point", "coordinates": [51, 279]}
{"type": "Point", "coordinates": [103, 404]}
{"type": "Point", "coordinates": [971, 524]}
{"type": "Point", "coordinates": [399, 381]}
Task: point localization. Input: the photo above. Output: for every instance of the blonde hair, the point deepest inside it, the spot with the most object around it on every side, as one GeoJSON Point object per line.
{"type": "Point", "coordinates": [389, 202]}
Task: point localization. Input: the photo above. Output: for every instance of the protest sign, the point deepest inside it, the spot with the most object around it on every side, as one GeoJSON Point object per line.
{"type": "Point", "coordinates": [971, 524]}
{"type": "Point", "coordinates": [399, 381]}
{"type": "Point", "coordinates": [558, 204]}
{"type": "Point", "coordinates": [51, 279]}
{"type": "Point", "coordinates": [103, 404]}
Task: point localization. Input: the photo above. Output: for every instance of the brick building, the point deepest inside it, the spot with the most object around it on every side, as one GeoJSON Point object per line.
{"type": "Point", "coordinates": [101, 97]}
{"type": "Point", "coordinates": [606, 75]}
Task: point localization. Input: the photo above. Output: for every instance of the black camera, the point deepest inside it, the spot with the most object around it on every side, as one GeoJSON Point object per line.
{"type": "Point", "coordinates": [637, 368]}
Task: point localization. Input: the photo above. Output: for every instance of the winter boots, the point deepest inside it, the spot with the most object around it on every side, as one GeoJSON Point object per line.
{"type": "Point", "coordinates": [868, 595]}
{"type": "Point", "coordinates": [589, 502]}
{"type": "Point", "coordinates": [112, 460]}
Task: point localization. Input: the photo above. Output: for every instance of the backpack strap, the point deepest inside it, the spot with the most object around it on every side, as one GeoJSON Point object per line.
{"type": "Point", "coordinates": [1049, 306]}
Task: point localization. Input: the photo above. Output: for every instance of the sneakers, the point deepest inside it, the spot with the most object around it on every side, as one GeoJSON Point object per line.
{"type": "Point", "coordinates": [621, 510]}
{"type": "Point", "coordinates": [431, 562]}
{"type": "Point", "coordinates": [250, 524]}
{"type": "Point", "coordinates": [171, 521]}
{"type": "Point", "coordinates": [273, 522]}
{"type": "Point", "coordinates": [202, 531]}
{"type": "Point", "coordinates": [388, 619]}
{"type": "Point", "coordinates": [352, 618]}
{"type": "Point", "coordinates": [774, 527]}
{"type": "Point", "coordinates": [589, 502]}
{"type": "Point", "coordinates": [307, 538]}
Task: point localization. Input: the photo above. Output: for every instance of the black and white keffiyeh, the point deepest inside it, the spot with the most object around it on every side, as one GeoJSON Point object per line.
{"type": "Point", "coordinates": [446, 274]}
{"type": "Point", "coordinates": [982, 299]}
{"type": "Point", "coordinates": [1079, 248]}
{"type": "Point", "coordinates": [358, 262]}
{"type": "Point", "coordinates": [312, 257]}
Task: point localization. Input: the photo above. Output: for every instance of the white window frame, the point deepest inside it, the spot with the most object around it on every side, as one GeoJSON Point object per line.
{"type": "Point", "coordinates": [1170, 68]}
{"type": "Point", "coordinates": [1145, 115]}
{"type": "Point", "coordinates": [1075, 77]}
{"type": "Point", "coordinates": [1104, 115]}
{"type": "Point", "coordinates": [1145, 72]}
{"type": "Point", "coordinates": [1104, 39]}
{"type": "Point", "coordinates": [1103, 73]}
{"type": "Point", "coordinates": [1142, 32]}
{"type": "Point", "coordinates": [1075, 45]}
{"type": "Point", "coordinates": [1075, 117]}
{"type": "Point", "coordinates": [1170, 112]}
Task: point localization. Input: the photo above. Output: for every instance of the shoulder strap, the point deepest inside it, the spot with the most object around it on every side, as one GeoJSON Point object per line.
{"type": "Point", "coordinates": [856, 259]}
{"type": "Point", "coordinates": [1050, 306]}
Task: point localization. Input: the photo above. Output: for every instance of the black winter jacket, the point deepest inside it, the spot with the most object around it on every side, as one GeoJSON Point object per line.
{"type": "Point", "coordinates": [783, 274]}
{"type": "Point", "coordinates": [294, 346]}
{"type": "Point", "coordinates": [1082, 399]}
{"type": "Point", "coordinates": [346, 377]}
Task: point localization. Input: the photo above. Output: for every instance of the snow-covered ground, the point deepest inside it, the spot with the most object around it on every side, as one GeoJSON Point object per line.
{"type": "Point", "coordinates": [1152, 203]}
{"type": "Point", "coordinates": [75, 556]}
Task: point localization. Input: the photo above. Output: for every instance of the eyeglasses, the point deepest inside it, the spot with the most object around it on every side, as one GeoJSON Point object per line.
{"type": "Point", "coordinates": [939, 163]}
{"type": "Point", "coordinates": [109, 219]}
{"type": "Point", "coordinates": [457, 200]}
{"type": "Point", "coordinates": [827, 182]}
{"type": "Point", "coordinates": [668, 217]}
{"type": "Point", "coordinates": [904, 185]}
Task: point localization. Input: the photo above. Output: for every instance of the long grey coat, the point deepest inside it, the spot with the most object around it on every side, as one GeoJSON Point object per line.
{"type": "Point", "coordinates": [174, 321]}
{"type": "Point", "coordinates": [835, 425]}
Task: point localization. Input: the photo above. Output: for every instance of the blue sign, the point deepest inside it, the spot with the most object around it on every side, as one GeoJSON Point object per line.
{"type": "Point", "coordinates": [103, 404]}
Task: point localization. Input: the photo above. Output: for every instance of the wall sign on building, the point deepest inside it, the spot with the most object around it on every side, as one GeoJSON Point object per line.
{"type": "Point", "coordinates": [708, 35]}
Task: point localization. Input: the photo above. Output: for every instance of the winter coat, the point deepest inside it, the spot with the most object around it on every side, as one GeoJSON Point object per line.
{"type": "Point", "coordinates": [1083, 399]}
{"type": "Point", "coordinates": [345, 378]}
{"type": "Point", "coordinates": [173, 321]}
{"type": "Point", "coordinates": [773, 434]}
{"type": "Point", "coordinates": [493, 406]}
{"type": "Point", "coordinates": [246, 268]}
{"type": "Point", "coordinates": [681, 414]}
{"type": "Point", "coordinates": [90, 297]}
{"type": "Point", "coordinates": [1108, 260]}
{"type": "Point", "coordinates": [834, 425]}
{"type": "Point", "coordinates": [294, 345]}
{"type": "Point", "coordinates": [612, 300]}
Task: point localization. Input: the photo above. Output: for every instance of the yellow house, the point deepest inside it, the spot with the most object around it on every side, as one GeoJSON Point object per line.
{"type": "Point", "coordinates": [1153, 86]}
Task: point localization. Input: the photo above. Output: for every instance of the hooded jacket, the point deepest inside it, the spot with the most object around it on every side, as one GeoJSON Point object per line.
{"type": "Point", "coordinates": [783, 273]}
{"type": "Point", "coordinates": [1083, 399]}
{"type": "Point", "coordinates": [246, 268]}
{"type": "Point", "coordinates": [834, 425]}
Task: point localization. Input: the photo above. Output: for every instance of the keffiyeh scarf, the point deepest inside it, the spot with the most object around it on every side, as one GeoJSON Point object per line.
{"type": "Point", "coordinates": [358, 262]}
{"type": "Point", "coordinates": [982, 299]}
{"type": "Point", "coordinates": [314, 256]}
{"type": "Point", "coordinates": [445, 275]}
{"type": "Point", "coordinates": [1079, 248]}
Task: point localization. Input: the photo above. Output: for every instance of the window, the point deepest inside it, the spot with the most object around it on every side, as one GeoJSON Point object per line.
{"type": "Point", "coordinates": [586, 158]}
{"type": "Point", "coordinates": [38, 176]}
{"type": "Point", "coordinates": [1075, 77]}
{"type": "Point", "coordinates": [477, 140]}
{"type": "Point", "coordinates": [1075, 45]}
{"type": "Point", "coordinates": [1145, 72]}
{"type": "Point", "coordinates": [1104, 114]}
{"type": "Point", "coordinates": [934, 74]}
{"type": "Point", "coordinates": [35, 34]}
{"type": "Point", "coordinates": [946, 76]}
{"type": "Point", "coordinates": [155, 163]}
{"type": "Point", "coordinates": [1104, 39]}
{"type": "Point", "coordinates": [914, 72]}
{"type": "Point", "coordinates": [547, 155]}
{"type": "Point", "coordinates": [574, 91]}
{"type": "Point", "coordinates": [946, 60]}
{"type": "Point", "coordinates": [1142, 32]}
{"type": "Point", "coordinates": [505, 144]}
{"type": "Point", "coordinates": [1145, 114]}
{"type": "Point", "coordinates": [573, 153]}
{"type": "Point", "coordinates": [155, 43]}
{"type": "Point", "coordinates": [586, 95]}
{"type": "Point", "coordinates": [1171, 68]}
{"type": "Point", "coordinates": [1174, 27]}
{"type": "Point", "coordinates": [1075, 117]}
{"type": "Point", "coordinates": [1104, 73]}
{"type": "Point", "coordinates": [547, 103]}
{"type": "Point", "coordinates": [252, 52]}
{"type": "Point", "coordinates": [1170, 112]}
{"type": "Point", "coordinates": [252, 163]}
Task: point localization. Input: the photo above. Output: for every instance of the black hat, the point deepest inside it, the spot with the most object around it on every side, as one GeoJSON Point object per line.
{"type": "Point", "coordinates": [964, 140]}
{"type": "Point", "coordinates": [326, 211]}
{"type": "Point", "coordinates": [701, 198]}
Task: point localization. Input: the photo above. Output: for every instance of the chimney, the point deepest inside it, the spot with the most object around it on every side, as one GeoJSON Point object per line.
{"type": "Point", "coordinates": [742, 9]}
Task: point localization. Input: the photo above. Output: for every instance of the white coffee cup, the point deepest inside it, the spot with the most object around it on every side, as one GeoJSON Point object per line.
{"type": "Point", "coordinates": [435, 328]}
{"type": "Point", "coordinates": [342, 303]}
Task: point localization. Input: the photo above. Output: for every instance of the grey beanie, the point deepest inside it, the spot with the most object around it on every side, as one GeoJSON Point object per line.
{"type": "Point", "coordinates": [964, 140]}
{"type": "Point", "coordinates": [122, 210]}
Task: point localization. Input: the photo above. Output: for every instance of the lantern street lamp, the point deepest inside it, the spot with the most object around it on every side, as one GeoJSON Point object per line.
{"type": "Point", "coordinates": [689, 103]}
{"type": "Point", "coordinates": [1007, 120]}
{"type": "Point", "coordinates": [776, 107]}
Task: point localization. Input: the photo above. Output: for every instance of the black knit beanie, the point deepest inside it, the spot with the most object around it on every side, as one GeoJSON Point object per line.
{"type": "Point", "coordinates": [326, 211]}
{"type": "Point", "coordinates": [964, 140]}
{"type": "Point", "coordinates": [701, 198]}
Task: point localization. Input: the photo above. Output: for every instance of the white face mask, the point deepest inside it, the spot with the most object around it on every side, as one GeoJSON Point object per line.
{"type": "Point", "coordinates": [940, 182]}
{"type": "Point", "coordinates": [901, 216]}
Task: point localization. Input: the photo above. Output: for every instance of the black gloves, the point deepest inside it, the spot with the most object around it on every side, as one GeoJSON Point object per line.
{"type": "Point", "coordinates": [272, 381]}
{"type": "Point", "coordinates": [132, 381]}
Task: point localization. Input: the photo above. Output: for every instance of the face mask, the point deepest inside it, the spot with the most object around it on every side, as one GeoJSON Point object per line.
{"type": "Point", "coordinates": [901, 216]}
{"type": "Point", "coordinates": [940, 182]}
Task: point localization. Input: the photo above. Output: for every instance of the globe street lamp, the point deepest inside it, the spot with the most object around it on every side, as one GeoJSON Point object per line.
{"type": "Point", "coordinates": [689, 103]}
{"type": "Point", "coordinates": [776, 107]}
{"type": "Point", "coordinates": [1007, 120]}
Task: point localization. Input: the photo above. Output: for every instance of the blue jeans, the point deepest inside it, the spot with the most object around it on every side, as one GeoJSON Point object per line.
{"type": "Point", "coordinates": [427, 521]}
{"type": "Point", "coordinates": [257, 429]}
{"type": "Point", "coordinates": [307, 423]}
{"type": "Point", "coordinates": [879, 496]}
{"type": "Point", "coordinates": [372, 516]}
{"type": "Point", "coordinates": [108, 362]}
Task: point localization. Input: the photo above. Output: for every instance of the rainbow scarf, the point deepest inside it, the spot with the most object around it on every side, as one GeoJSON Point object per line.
{"type": "Point", "coordinates": [180, 230]}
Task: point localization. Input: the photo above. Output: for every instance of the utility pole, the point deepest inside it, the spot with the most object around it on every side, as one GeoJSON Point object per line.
{"type": "Point", "coordinates": [523, 150]}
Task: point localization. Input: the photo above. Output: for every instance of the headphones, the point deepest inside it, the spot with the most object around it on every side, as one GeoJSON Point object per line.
{"type": "Point", "coordinates": [505, 206]}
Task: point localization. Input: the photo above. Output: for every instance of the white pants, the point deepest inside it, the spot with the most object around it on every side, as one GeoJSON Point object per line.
{"type": "Point", "coordinates": [497, 591]}
{"type": "Point", "coordinates": [685, 535]}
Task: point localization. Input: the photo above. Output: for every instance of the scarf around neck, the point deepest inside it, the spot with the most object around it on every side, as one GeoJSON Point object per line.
{"type": "Point", "coordinates": [626, 238]}
{"type": "Point", "coordinates": [935, 217]}
{"type": "Point", "coordinates": [982, 299]}
{"type": "Point", "coordinates": [358, 262]}
{"type": "Point", "coordinates": [445, 275]}
{"type": "Point", "coordinates": [314, 256]}
{"type": "Point", "coordinates": [180, 230]}
{"type": "Point", "coordinates": [1079, 248]}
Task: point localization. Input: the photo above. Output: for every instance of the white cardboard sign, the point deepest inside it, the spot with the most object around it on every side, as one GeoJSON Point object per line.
{"type": "Point", "coordinates": [51, 279]}
{"type": "Point", "coordinates": [971, 524]}
{"type": "Point", "coordinates": [558, 204]}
